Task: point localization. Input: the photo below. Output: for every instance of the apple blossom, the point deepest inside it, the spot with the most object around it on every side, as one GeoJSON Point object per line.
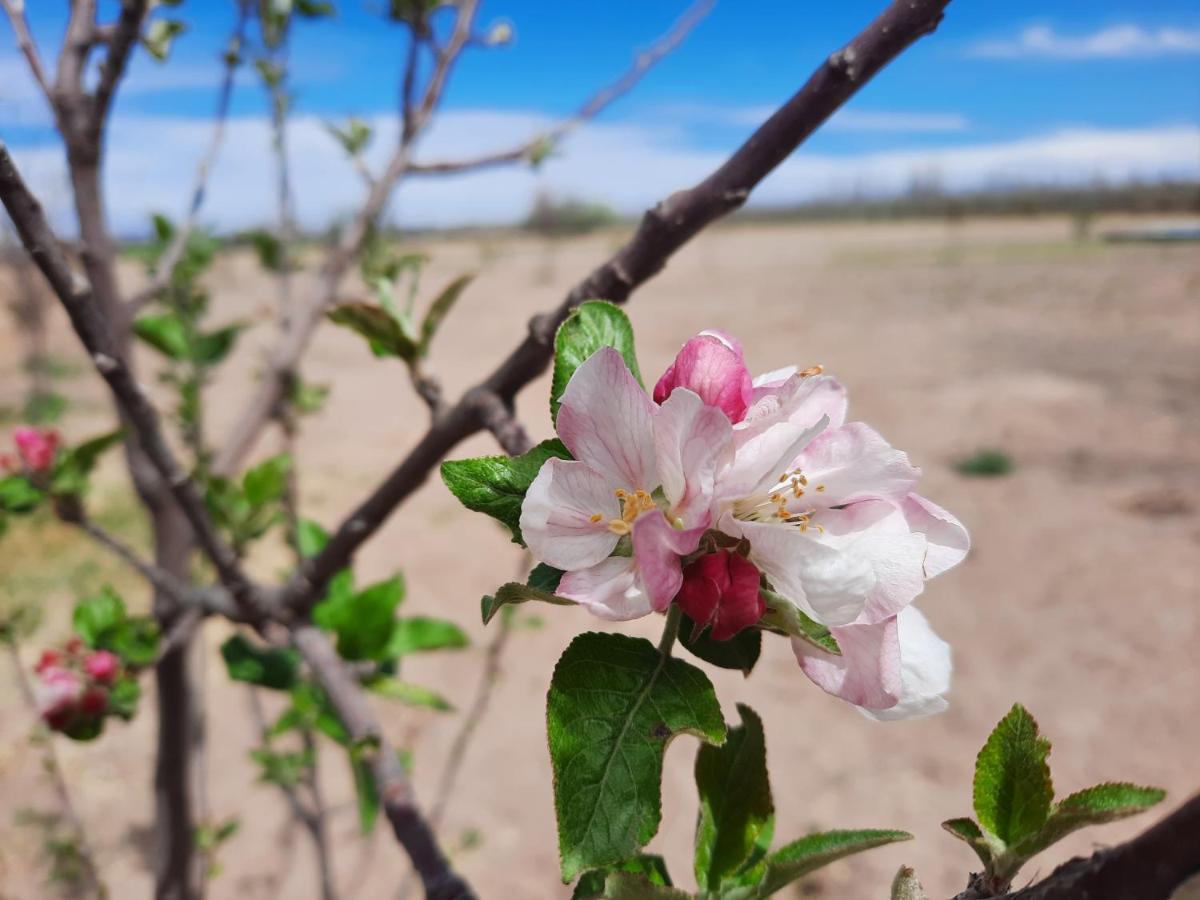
{"type": "Point", "coordinates": [640, 472]}
{"type": "Point", "coordinates": [57, 693]}
{"type": "Point", "coordinates": [36, 447]}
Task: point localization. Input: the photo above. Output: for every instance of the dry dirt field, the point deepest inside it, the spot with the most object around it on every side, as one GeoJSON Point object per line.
{"type": "Point", "coordinates": [1079, 599]}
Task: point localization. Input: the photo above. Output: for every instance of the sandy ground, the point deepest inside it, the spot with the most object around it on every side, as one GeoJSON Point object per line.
{"type": "Point", "coordinates": [1079, 598]}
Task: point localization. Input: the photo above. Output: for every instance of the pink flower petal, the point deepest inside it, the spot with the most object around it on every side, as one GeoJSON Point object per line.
{"type": "Point", "coordinates": [946, 537]}
{"type": "Point", "coordinates": [712, 366]}
{"type": "Point", "coordinates": [854, 462]}
{"type": "Point", "coordinates": [657, 547]}
{"type": "Point", "coordinates": [925, 669]}
{"type": "Point", "coordinates": [565, 515]}
{"type": "Point", "coordinates": [692, 443]}
{"type": "Point", "coordinates": [868, 672]}
{"type": "Point", "coordinates": [610, 590]}
{"type": "Point", "coordinates": [607, 421]}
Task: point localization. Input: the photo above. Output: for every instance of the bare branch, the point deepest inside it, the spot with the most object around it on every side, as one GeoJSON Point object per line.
{"type": "Point", "coordinates": [260, 409]}
{"type": "Point", "coordinates": [174, 252]}
{"type": "Point", "coordinates": [160, 579]}
{"type": "Point", "coordinates": [663, 230]}
{"type": "Point", "coordinates": [25, 42]}
{"type": "Point", "coordinates": [531, 149]}
{"type": "Point", "coordinates": [94, 331]}
{"type": "Point", "coordinates": [391, 780]}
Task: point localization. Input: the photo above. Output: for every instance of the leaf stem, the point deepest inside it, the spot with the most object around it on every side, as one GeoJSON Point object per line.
{"type": "Point", "coordinates": [670, 629]}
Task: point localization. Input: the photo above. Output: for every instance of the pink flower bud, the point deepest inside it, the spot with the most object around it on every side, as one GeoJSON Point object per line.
{"type": "Point", "coordinates": [711, 365]}
{"type": "Point", "coordinates": [36, 447]}
{"type": "Point", "coordinates": [721, 590]}
{"type": "Point", "coordinates": [102, 666]}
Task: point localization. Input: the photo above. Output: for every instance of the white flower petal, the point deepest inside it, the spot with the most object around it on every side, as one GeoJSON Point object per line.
{"type": "Point", "coordinates": [607, 421]}
{"type": "Point", "coordinates": [692, 442]}
{"type": "Point", "coordinates": [558, 511]}
{"type": "Point", "coordinates": [947, 538]}
{"type": "Point", "coordinates": [925, 669]}
{"type": "Point", "coordinates": [854, 462]}
{"type": "Point", "coordinates": [610, 590]}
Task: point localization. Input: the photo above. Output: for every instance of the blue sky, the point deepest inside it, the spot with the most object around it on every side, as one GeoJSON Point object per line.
{"type": "Point", "coordinates": [1002, 92]}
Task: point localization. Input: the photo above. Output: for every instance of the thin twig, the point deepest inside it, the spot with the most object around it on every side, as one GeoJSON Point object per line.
{"type": "Point", "coordinates": [174, 252]}
{"type": "Point", "coordinates": [26, 44]}
{"type": "Point", "coordinates": [541, 144]}
{"type": "Point", "coordinates": [87, 858]}
{"type": "Point", "coordinates": [663, 231]}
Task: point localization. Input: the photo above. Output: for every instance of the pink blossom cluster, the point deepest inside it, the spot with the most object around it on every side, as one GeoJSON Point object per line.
{"type": "Point", "coordinates": [73, 684]}
{"type": "Point", "coordinates": [36, 449]}
{"type": "Point", "coordinates": [720, 485]}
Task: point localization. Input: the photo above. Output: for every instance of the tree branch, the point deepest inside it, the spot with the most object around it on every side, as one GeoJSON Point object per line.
{"type": "Point", "coordinates": [391, 780]}
{"type": "Point", "coordinates": [539, 144]}
{"type": "Point", "coordinates": [663, 230]}
{"type": "Point", "coordinates": [174, 252]}
{"type": "Point", "coordinates": [121, 41]}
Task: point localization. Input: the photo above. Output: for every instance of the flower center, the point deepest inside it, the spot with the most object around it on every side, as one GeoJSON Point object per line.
{"type": "Point", "coordinates": [633, 504]}
{"type": "Point", "coordinates": [783, 505]}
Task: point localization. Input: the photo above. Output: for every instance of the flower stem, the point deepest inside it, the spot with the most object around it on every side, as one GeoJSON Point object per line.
{"type": "Point", "coordinates": [670, 630]}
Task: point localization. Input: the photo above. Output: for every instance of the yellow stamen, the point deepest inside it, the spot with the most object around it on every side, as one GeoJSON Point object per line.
{"type": "Point", "coordinates": [619, 526]}
{"type": "Point", "coordinates": [596, 517]}
{"type": "Point", "coordinates": [812, 370]}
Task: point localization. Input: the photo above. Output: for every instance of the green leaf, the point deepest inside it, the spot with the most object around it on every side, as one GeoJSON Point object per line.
{"type": "Point", "coordinates": [310, 708]}
{"type": "Point", "coordinates": [412, 694]}
{"type": "Point", "coordinates": [268, 248]}
{"type": "Point", "coordinates": [74, 466]}
{"type": "Point", "coordinates": [353, 137]}
{"type": "Point", "coordinates": [808, 854]}
{"type": "Point", "coordinates": [969, 832]}
{"type": "Point", "coordinates": [165, 332]}
{"type": "Point", "coordinates": [653, 870]}
{"type": "Point", "coordinates": [735, 801]}
{"type": "Point", "coordinates": [614, 704]}
{"type": "Point", "coordinates": [740, 652]}
{"type": "Point", "coordinates": [784, 617]}
{"type": "Point", "coordinates": [135, 641]}
{"type": "Point", "coordinates": [267, 482]}
{"type": "Point", "coordinates": [1096, 805]}
{"type": "Point", "coordinates": [269, 667]}
{"type": "Point", "coordinates": [514, 592]}
{"type": "Point", "coordinates": [496, 485]}
{"type": "Point", "coordinates": [123, 698]}
{"type": "Point", "coordinates": [1013, 790]}
{"type": "Point", "coordinates": [18, 495]}
{"type": "Point", "coordinates": [439, 309]}
{"type": "Point", "coordinates": [590, 326]}
{"type": "Point", "coordinates": [286, 769]}
{"type": "Point", "coordinates": [629, 886]}
{"type": "Point", "coordinates": [381, 330]}
{"type": "Point", "coordinates": [363, 622]}
{"type": "Point", "coordinates": [311, 538]}
{"type": "Point", "coordinates": [212, 347]}
{"type": "Point", "coordinates": [364, 790]}
{"type": "Point", "coordinates": [417, 634]}
{"type": "Point", "coordinates": [97, 617]}
{"type": "Point", "coordinates": [159, 36]}
{"type": "Point", "coordinates": [545, 578]}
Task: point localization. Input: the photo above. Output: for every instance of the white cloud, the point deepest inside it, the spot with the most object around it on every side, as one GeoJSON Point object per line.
{"type": "Point", "coordinates": [630, 166]}
{"type": "Point", "coordinates": [1116, 42]}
